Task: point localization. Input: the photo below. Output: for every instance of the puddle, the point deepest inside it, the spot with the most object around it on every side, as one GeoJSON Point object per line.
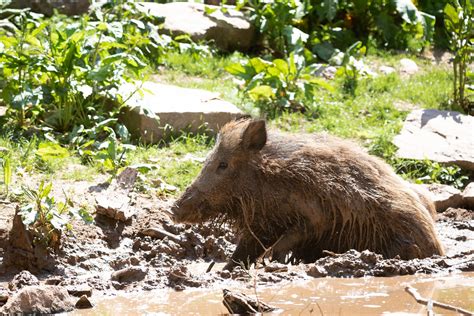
{"type": "Point", "coordinates": [327, 296]}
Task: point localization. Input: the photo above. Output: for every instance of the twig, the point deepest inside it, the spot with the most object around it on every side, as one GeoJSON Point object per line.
{"type": "Point", "coordinates": [210, 266]}
{"type": "Point", "coordinates": [413, 292]}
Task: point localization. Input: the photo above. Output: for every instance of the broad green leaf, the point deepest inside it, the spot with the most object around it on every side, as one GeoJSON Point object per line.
{"type": "Point", "coordinates": [261, 92]}
{"type": "Point", "coordinates": [282, 66]}
{"type": "Point", "coordinates": [259, 64]}
{"type": "Point", "coordinates": [48, 151]}
{"type": "Point", "coordinates": [407, 11]}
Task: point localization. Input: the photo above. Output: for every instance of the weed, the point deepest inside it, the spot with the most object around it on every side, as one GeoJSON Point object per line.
{"type": "Point", "coordinates": [46, 218]}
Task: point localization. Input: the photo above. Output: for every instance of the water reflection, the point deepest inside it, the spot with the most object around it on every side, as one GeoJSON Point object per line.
{"type": "Point", "coordinates": [368, 296]}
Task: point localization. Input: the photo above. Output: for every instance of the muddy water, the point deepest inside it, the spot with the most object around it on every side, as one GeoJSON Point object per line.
{"type": "Point", "coordinates": [326, 296]}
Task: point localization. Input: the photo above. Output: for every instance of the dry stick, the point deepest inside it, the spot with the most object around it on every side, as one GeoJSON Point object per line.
{"type": "Point", "coordinates": [413, 292]}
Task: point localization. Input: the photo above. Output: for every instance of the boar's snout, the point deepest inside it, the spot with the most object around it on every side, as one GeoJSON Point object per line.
{"type": "Point", "coordinates": [189, 208]}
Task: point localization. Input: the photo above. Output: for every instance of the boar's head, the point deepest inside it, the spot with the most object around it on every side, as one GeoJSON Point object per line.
{"type": "Point", "coordinates": [229, 171]}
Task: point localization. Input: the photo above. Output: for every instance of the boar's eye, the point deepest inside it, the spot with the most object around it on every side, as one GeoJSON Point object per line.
{"type": "Point", "coordinates": [222, 165]}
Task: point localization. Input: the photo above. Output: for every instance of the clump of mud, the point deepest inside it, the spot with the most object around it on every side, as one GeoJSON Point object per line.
{"type": "Point", "coordinates": [366, 263]}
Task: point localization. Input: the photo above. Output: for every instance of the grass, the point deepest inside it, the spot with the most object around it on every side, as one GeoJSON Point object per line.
{"type": "Point", "coordinates": [372, 116]}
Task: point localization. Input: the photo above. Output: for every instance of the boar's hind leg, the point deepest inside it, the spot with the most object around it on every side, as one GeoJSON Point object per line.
{"type": "Point", "coordinates": [247, 251]}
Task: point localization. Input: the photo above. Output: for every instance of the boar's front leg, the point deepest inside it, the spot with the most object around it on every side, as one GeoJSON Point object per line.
{"type": "Point", "coordinates": [247, 251]}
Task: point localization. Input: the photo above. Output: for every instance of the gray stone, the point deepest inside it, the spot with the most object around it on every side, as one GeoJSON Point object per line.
{"type": "Point", "coordinates": [163, 110]}
{"type": "Point", "coordinates": [129, 274]}
{"type": "Point", "coordinates": [468, 196]}
{"type": "Point", "coordinates": [115, 202]}
{"type": "Point", "coordinates": [229, 31]}
{"type": "Point", "coordinates": [83, 303]}
{"type": "Point", "coordinates": [46, 299]}
{"type": "Point", "coordinates": [4, 295]}
{"type": "Point", "coordinates": [3, 110]}
{"type": "Point", "coordinates": [408, 66]}
{"type": "Point", "coordinates": [444, 196]}
{"type": "Point", "coordinates": [386, 70]}
{"type": "Point", "coordinates": [22, 279]}
{"type": "Point", "coordinates": [47, 7]}
{"type": "Point", "coordinates": [442, 136]}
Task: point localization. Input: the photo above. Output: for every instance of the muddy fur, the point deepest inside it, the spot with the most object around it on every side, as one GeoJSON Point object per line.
{"type": "Point", "coordinates": [301, 194]}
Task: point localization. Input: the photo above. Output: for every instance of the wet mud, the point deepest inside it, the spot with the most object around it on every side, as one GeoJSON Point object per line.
{"type": "Point", "coordinates": [115, 260]}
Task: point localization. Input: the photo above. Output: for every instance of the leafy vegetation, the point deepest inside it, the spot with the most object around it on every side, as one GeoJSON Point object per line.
{"type": "Point", "coordinates": [324, 25]}
{"type": "Point", "coordinates": [47, 218]}
{"type": "Point", "coordinates": [459, 21]}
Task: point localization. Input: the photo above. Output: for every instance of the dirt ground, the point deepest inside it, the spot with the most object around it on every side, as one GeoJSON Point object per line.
{"type": "Point", "coordinates": [150, 252]}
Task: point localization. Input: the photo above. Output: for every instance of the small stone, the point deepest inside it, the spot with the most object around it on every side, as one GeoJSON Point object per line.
{"type": "Point", "coordinates": [22, 279]}
{"type": "Point", "coordinates": [408, 66]}
{"type": "Point", "coordinates": [83, 303]}
{"type": "Point", "coordinates": [79, 290]}
{"type": "Point", "coordinates": [468, 196]}
{"type": "Point", "coordinates": [276, 267]}
{"type": "Point", "coordinates": [3, 295]}
{"type": "Point", "coordinates": [317, 272]}
{"type": "Point", "coordinates": [386, 70]}
{"type": "Point", "coordinates": [444, 196]}
{"type": "Point", "coordinates": [53, 281]}
{"type": "Point", "coordinates": [329, 72]}
{"type": "Point", "coordinates": [130, 274]}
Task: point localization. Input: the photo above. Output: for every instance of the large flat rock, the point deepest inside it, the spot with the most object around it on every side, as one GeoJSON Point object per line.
{"type": "Point", "coordinates": [163, 110]}
{"type": "Point", "coordinates": [442, 136]}
{"type": "Point", "coordinates": [229, 31]}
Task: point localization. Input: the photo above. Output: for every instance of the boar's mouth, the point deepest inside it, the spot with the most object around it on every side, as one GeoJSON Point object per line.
{"type": "Point", "coordinates": [191, 214]}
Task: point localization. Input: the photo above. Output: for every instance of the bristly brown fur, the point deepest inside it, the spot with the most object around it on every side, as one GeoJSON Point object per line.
{"type": "Point", "coordinates": [310, 193]}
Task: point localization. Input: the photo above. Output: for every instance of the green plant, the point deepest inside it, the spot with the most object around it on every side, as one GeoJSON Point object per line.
{"type": "Point", "coordinates": [427, 171]}
{"type": "Point", "coordinates": [351, 66]}
{"type": "Point", "coordinates": [7, 173]}
{"type": "Point", "coordinates": [46, 219]}
{"type": "Point", "coordinates": [459, 22]}
{"type": "Point", "coordinates": [279, 85]}
{"type": "Point", "coordinates": [286, 26]}
{"type": "Point", "coordinates": [66, 72]}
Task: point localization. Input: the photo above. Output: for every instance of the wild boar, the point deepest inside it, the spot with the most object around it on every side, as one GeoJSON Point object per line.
{"type": "Point", "coordinates": [303, 194]}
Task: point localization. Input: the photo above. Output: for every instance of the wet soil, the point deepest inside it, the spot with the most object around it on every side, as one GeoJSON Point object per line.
{"type": "Point", "coordinates": [150, 253]}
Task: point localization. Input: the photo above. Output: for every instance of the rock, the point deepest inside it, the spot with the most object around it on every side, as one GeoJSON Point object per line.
{"type": "Point", "coordinates": [55, 280]}
{"type": "Point", "coordinates": [229, 31]}
{"type": "Point", "coordinates": [79, 290]}
{"type": "Point", "coordinates": [115, 202]}
{"type": "Point", "coordinates": [3, 295]}
{"type": "Point", "coordinates": [329, 72]}
{"type": "Point", "coordinates": [164, 110]}
{"type": "Point", "coordinates": [47, 7]}
{"type": "Point", "coordinates": [444, 196]}
{"type": "Point", "coordinates": [130, 274]}
{"type": "Point", "coordinates": [3, 110]}
{"type": "Point", "coordinates": [22, 279]}
{"type": "Point", "coordinates": [442, 136]}
{"type": "Point", "coordinates": [240, 303]}
{"type": "Point", "coordinates": [276, 267]}
{"type": "Point", "coordinates": [408, 66]}
{"type": "Point", "coordinates": [386, 70]}
{"type": "Point", "coordinates": [115, 205]}
{"type": "Point", "coordinates": [83, 303]}
{"type": "Point", "coordinates": [468, 196]}
{"type": "Point", "coordinates": [46, 299]}
{"type": "Point", "coordinates": [317, 272]}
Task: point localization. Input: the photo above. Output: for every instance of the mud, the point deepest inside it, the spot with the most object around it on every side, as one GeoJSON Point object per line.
{"type": "Point", "coordinates": [150, 253]}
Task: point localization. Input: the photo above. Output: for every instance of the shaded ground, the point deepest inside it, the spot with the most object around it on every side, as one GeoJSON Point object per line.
{"type": "Point", "coordinates": [150, 252]}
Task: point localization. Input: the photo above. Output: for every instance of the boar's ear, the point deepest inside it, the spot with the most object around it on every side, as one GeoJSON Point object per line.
{"type": "Point", "coordinates": [254, 136]}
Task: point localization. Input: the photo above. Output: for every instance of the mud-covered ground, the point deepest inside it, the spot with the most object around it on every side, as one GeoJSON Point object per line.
{"type": "Point", "coordinates": [150, 252]}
